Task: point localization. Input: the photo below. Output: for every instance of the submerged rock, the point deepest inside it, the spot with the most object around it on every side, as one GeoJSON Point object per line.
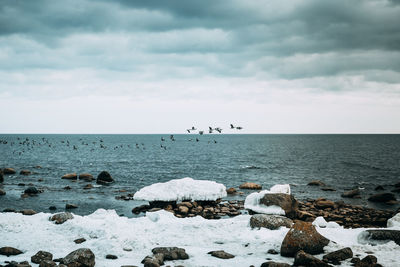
{"type": "Point", "coordinates": [231, 191]}
{"type": "Point", "coordinates": [251, 186]}
{"type": "Point", "coordinates": [303, 236]}
{"type": "Point", "coordinates": [10, 251]}
{"type": "Point", "coordinates": [25, 172]}
{"type": "Point", "coordinates": [221, 254]}
{"type": "Point", "coordinates": [70, 176]}
{"type": "Point", "coordinates": [104, 178]}
{"type": "Point", "coordinates": [316, 183]}
{"type": "Point", "coordinates": [337, 256]}
{"type": "Point", "coordinates": [269, 221]}
{"type": "Point", "coordinates": [1, 176]}
{"type": "Point", "coordinates": [81, 257]}
{"type": "Point", "coordinates": [31, 191]}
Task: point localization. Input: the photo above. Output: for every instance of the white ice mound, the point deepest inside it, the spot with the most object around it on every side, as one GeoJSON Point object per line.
{"type": "Point", "coordinates": [182, 189]}
{"type": "Point", "coordinates": [252, 201]}
{"type": "Point", "coordinates": [394, 221]}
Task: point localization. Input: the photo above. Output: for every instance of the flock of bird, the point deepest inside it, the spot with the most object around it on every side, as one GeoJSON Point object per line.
{"type": "Point", "coordinates": [27, 144]}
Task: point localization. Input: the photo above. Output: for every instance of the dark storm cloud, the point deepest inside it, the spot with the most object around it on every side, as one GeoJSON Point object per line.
{"type": "Point", "coordinates": [291, 40]}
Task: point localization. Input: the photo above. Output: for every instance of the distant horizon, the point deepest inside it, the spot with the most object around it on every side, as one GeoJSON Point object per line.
{"type": "Point", "coordinates": [199, 134]}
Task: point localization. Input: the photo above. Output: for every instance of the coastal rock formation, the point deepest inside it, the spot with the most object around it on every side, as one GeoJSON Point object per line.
{"type": "Point", "coordinates": [82, 257]}
{"type": "Point", "coordinates": [303, 236]}
{"type": "Point", "coordinates": [304, 259]}
{"type": "Point", "coordinates": [70, 176]}
{"type": "Point", "coordinates": [104, 178]}
{"type": "Point", "coordinates": [251, 186]}
{"type": "Point", "coordinates": [9, 171]}
{"type": "Point", "coordinates": [271, 222]}
{"type": "Point", "coordinates": [337, 256]}
{"type": "Point", "coordinates": [10, 251]}
{"type": "Point", "coordinates": [86, 177]}
{"type": "Point", "coordinates": [62, 217]}
{"type": "Point", "coordinates": [221, 254]}
{"type": "Point", "coordinates": [41, 256]}
{"type": "Point", "coordinates": [287, 202]}
{"type": "Point", "coordinates": [383, 197]}
{"type": "Point", "coordinates": [351, 194]}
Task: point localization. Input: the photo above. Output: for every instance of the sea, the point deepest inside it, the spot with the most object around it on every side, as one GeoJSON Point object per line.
{"type": "Point", "coordinates": [342, 162]}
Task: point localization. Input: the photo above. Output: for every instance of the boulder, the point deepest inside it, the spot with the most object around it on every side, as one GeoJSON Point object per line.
{"type": "Point", "coordinates": [337, 256]}
{"type": "Point", "coordinates": [367, 261]}
{"type": "Point", "coordinates": [31, 191]}
{"type": "Point", "coordinates": [61, 218]}
{"type": "Point", "coordinates": [274, 264]}
{"type": "Point", "coordinates": [304, 259]}
{"type": "Point", "coordinates": [316, 183]}
{"type": "Point", "coordinates": [171, 253]}
{"type": "Point", "coordinates": [351, 193]}
{"type": "Point", "coordinates": [271, 222]}
{"type": "Point", "coordinates": [251, 186]}
{"type": "Point", "coordinates": [303, 236]}
{"type": "Point", "coordinates": [86, 177]}
{"type": "Point", "coordinates": [383, 197]}
{"type": "Point", "coordinates": [9, 251]}
{"type": "Point", "coordinates": [380, 236]}
{"type": "Point", "coordinates": [9, 171]}
{"type": "Point", "coordinates": [83, 257]}
{"type": "Point", "coordinates": [25, 172]}
{"type": "Point", "coordinates": [287, 202]}
{"type": "Point", "coordinates": [231, 191]}
{"type": "Point", "coordinates": [221, 254]}
{"type": "Point", "coordinates": [104, 178]}
{"type": "Point", "coordinates": [41, 256]}
{"type": "Point", "coordinates": [70, 176]}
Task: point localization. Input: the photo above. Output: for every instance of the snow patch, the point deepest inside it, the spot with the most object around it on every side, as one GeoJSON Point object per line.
{"type": "Point", "coordinates": [252, 201]}
{"type": "Point", "coordinates": [394, 221]}
{"type": "Point", "coordinates": [182, 189]}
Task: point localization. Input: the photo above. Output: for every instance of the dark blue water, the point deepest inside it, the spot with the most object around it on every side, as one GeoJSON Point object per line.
{"type": "Point", "coordinates": [341, 161]}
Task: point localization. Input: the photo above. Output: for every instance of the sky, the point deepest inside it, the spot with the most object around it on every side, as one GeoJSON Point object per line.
{"type": "Point", "coordinates": [121, 66]}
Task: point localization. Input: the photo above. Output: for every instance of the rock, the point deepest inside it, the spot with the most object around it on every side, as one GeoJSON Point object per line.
{"type": "Point", "coordinates": [62, 217]}
{"type": "Point", "coordinates": [79, 240]}
{"type": "Point", "coordinates": [231, 191]}
{"type": "Point", "coordinates": [52, 208]}
{"type": "Point", "coordinates": [31, 190]}
{"type": "Point", "coordinates": [337, 256]}
{"type": "Point", "coordinates": [186, 204]}
{"type": "Point", "coordinates": [83, 257]}
{"type": "Point", "coordinates": [328, 189]}
{"type": "Point", "coordinates": [1, 176]}
{"type": "Point", "coordinates": [380, 236]}
{"type": "Point", "coordinates": [324, 204]}
{"type": "Point", "coordinates": [70, 176]}
{"type": "Point", "coordinates": [9, 171]}
{"type": "Point", "coordinates": [183, 210]}
{"type": "Point", "coordinates": [25, 172]}
{"type": "Point", "coordinates": [269, 221]}
{"type": "Point", "coordinates": [316, 183]}
{"type": "Point", "coordinates": [221, 254]}
{"type": "Point", "coordinates": [10, 251]}
{"type": "Point", "coordinates": [383, 197]}
{"type": "Point", "coordinates": [171, 253]}
{"type": "Point", "coordinates": [41, 256]}
{"type": "Point", "coordinates": [367, 261]}
{"type": "Point", "coordinates": [47, 263]}
{"type": "Point", "coordinates": [272, 251]}
{"type": "Point", "coordinates": [86, 177]}
{"type": "Point", "coordinates": [287, 202]}
{"type": "Point", "coordinates": [351, 193]}
{"type": "Point", "coordinates": [304, 259]}
{"type": "Point", "coordinates": [111, 257]}
{"type": "Point", "coordinates": [303, 236]}
{"type": "Point", "coordinates": [67, 187]}
{"type": "Point", "coordinates": [140, 209]}
{"type": "Point", "coordinates": [88, 186]}
{"type": "Point", "coordinates": [154, 261]}
{"type": "Point", "coordinates": [379, 188]}
{"type": "Point", "coordinates": [28, 212]}
{"type": "Point", "coordinates": [70, 206]}
{"type": "Point", "coordinates": [274, 264]}
{"type": "Point", "coordinates": [104, 178]}
{"type": "Point", "coordinates": [16, 264]}
{"type": "Point", "coordinates": [2, 192]}
{"type": "Point", "coordinates": [252, 186]}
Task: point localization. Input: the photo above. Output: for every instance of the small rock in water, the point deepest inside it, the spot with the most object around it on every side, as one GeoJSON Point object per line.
{"type": "Point", "coordinates": [9, 171]}
{"type": "Point", "coordinates": [52, 208]}
{"type": "Point", "coordinates": [86, 177]}
{"type": "Point", "coordinates": [328, 189]}
{"type": "Point", "coordinates": [25, 172]}
{"type": "Point", "coordinates": [231, 191]}
{"type": "Point", "coordinates": [9, 251]}
{"type": "Point", "coordinates": [221, 254]}
{"type": "Point", "coordinates": [28, 212]}
{"type": "Point", "coordinates": [2, 192]}
{"type": "Point", "coordinates": [70, 176]}
{"type": "Point", "coordinates": [1, 176]}
{"type": "Point", "coordinates": [31, 190]}
{"type": "Point", "coordinates": [252, 186]}
{"type": "Point", "coordinates": [104, 178]}
{"type": "Point", "coordinates": [351, 194]}
{"type": "Point", "coordinates": [41, 256]}
{"type": "Point", "coordinates": [316, 183]}
{"type": "Point", "coordinates": [79, 240]}
{"type": "Point", "coordinates": [379, 188]}
{"type": "Point", "coordinates": [70, 206]}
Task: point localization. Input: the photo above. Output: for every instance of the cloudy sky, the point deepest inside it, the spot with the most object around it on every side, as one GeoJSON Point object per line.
{"type": "Point", "coordinates": [162, 66]}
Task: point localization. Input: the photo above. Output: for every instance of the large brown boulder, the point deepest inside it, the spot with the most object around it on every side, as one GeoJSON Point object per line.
{"type": "Point", "coordinates": [303, 236]}
{"type": "Point", "coordinates": [104, 178]}
{"type": "Point", "coordinates": [82, 257]}
{"type": "Point", "coordinates": [70, 176]}
{"type": "Point", "coordinates": [252, 186]}
{"type": "Point", "coordinates": [287, 202]}
{"type": "Point", "coordinates": [271, 222]}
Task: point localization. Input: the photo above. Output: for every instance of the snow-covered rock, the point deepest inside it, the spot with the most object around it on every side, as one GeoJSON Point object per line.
{"type": "Point", "coordinates": [394, 221]}
{"type": "Point", "coordinates": [182, 189]}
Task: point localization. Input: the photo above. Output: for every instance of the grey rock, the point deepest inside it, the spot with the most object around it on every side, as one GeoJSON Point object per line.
{"type": "Point", "coordinates": [351, 193]}
{"type": "Point", "coordinates": [31, 190]}
{"type": "Point", "coordinates": [271, 222]}
{"type": "Point", "coordinates": [337, 256]}
{"type": "Point", "coordinates": [61, 218]}
{"type": "Point", "coordinates": [375, 237]}
{"type": "Point", "coordinates": [41, 256]}
{"type": "Point", "coordinates": [83, 257]}
{"type": "Point", "coordinates": [221, 254]}
{"type": "Point", "coordinates": [171, 253]}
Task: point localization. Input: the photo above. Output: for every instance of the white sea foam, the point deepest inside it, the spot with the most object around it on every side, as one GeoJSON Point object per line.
{"type": "Point", "coordinates": [108, 233]}
{"type": "Point", "coordinates": [182, 189]}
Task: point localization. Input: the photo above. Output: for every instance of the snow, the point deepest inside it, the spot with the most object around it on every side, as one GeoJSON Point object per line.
{"type": "Point", "coordinates": [252, 201]}
{"type": "Point", "coordinates": [322, 223]}
{"type": "Point", "coordinates": [108, 233]}
{"type": "Point", "coordinates": [182, 189]}
{"type": "Point", "coordinates": [394, 221]}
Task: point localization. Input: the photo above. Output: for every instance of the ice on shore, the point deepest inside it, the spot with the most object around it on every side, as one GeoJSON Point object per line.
{"type": "Point", "coordinates": [182, 189]}
{"type": "Point", "coordinates": [108, 233]}
{"type": "Point", "coordinates": [322, 223]}
{"type": "Point", "coordinates": [252, 201]}
{"type": "Point", "coordinates": [394, 221]}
